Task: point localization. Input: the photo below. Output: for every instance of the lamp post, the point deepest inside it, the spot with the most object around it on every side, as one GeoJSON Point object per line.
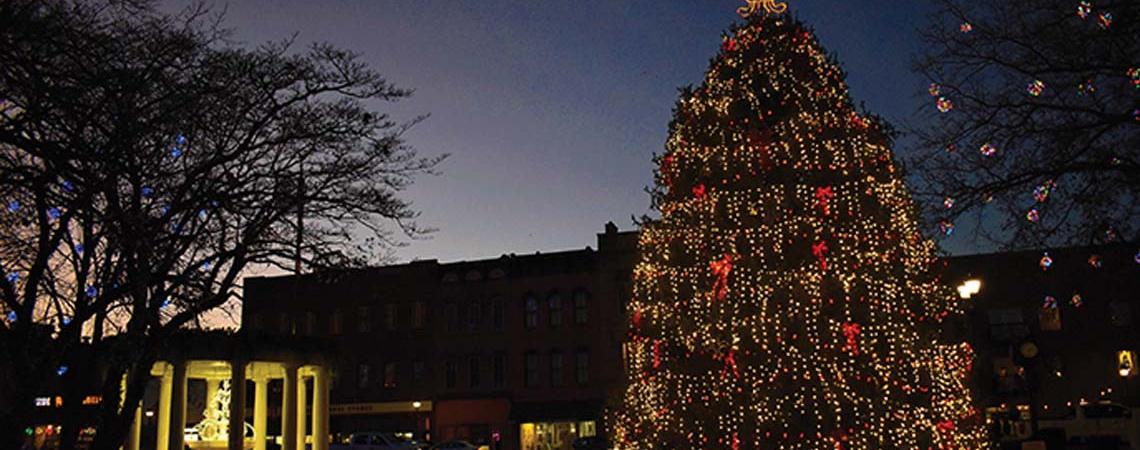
{"type": "Point", "coordinates": [416, 405]}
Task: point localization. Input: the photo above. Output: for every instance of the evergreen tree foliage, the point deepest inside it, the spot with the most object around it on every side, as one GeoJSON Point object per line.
{"type": "Point", "coordinates": [786, 298]}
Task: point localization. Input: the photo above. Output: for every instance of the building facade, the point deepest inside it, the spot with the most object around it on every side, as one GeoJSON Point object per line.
{"type": "Point", "coordinates": [523, 352]}
{"type": "Point", "coordinates": [516, 352]}
{"type": "Point", "coordinates": [1053, 330]}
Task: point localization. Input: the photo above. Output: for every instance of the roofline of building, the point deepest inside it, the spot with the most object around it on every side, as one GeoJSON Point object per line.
{"type": "Point", "coordinates": [514, 257]}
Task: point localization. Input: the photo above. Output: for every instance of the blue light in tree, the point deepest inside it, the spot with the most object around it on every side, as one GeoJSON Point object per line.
{"type": "Point", "coordinates": [67, 186]}
{"type": "Point", "coordinates": [13, 277]}
{"type": "Point", "coordinates": [91, 291]}
{"type": "Point", "coordinates": [147, 191]}
{"type": "Point", "coordinates": [180, 139]}
{"type": "Point", "coordinates": [54, 212]}
{"type": "Point", "coordinates": [12, 316]}
{"type": "Point", "coordinates": [79, 249]}
{"type": "Point", "coordinates": [13, 206]}
{"type": "Point", "coordinates": [165, 302]}
{"type": "Point", "coordinates": [61, 370]}
{"type": "Point", "coordinates": [175, 151]}
{"type": "Point", "coordinates": [66, 320]}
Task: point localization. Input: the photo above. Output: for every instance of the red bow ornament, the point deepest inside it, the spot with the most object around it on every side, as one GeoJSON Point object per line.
{"type": "Point", "coordinates": [823, 194]}
{"type": "Point", "coordinates": [699, 191]}
{"type": "Point", "coordinates": [819, 249]}
{"type": "Point", "coordinates": [720, 270]}
{"type": "Point", "coordinates": [730, 364]}
{"type": "Point", "coordinates": [851, 331]}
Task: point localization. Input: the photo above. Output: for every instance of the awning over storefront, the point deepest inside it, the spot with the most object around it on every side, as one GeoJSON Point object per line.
{"type": "Point", "coordinates": [556, 411]}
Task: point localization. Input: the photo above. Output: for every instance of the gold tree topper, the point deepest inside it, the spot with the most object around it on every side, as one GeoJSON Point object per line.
{"type": "Point", "coordinates": [769, 6]}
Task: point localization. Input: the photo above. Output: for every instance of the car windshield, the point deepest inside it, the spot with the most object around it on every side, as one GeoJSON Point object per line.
{"type": "Point", "coordinates": [1105, 411]}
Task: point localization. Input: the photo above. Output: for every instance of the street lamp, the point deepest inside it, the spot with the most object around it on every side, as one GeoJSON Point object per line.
{"type": "Point", "coordinates": [1126, 363]}
{"type": "Point", "coordinates": [416, 405]}
{"type": "Point", "coordinates": [969, 287]}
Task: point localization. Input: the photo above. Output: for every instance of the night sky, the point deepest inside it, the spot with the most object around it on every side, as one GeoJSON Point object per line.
{"type": "Point", "coordinates": [552, 109]}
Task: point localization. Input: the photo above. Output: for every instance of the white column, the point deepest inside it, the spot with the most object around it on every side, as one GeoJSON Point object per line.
{"type": "Point", "coordinates": [165, 393]}
{"type": "Point", "coordinates": [178, 407]}
{"type": "Point", "coordinates": [260, 412]}
{"type": "Point", "coordinates": [237, 405]}
{"type": "Point", "coordinates": [135, 433]}
{"type": "Point", "coordinates": [302, 413]}
{"type": "Point", "coordinates": [131, 440]}
{"type": "Point", "coordinates": [289, 409]}
{"type": "Point", "coordinates": [321, 408]}
{"type": "Point", "coordinates": [211, 391]}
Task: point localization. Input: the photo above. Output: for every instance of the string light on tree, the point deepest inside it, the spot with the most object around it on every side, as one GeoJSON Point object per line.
{"type": "Point", "coordinates": [786, 298]}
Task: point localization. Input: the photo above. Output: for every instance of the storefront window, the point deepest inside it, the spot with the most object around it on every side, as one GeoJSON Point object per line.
{"type": "Point", "coordinates": [554, 435]}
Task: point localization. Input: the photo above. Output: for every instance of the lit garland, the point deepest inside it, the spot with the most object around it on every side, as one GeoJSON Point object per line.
{"type": "Point", "coordinates": [786, 298]}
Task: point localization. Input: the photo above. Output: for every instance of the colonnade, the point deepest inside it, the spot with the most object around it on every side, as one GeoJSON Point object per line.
{"type": "Point", "coordinates": [296, 416]}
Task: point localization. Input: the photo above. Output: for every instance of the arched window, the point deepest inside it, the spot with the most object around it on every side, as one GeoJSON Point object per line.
{"type": "Point", "coordinates": [554, 303]}
{"type": "Point", "coordinates": [531, 313]}
{"type": "Point", "coordinates": [581, 307]}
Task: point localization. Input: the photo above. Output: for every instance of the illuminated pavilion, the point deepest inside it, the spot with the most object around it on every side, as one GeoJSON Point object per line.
{"type": "Point", "coordinates": [230, 366]}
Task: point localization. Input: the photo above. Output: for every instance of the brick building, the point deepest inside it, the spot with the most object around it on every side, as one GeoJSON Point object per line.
{"type": "Point", "coordinates": [1052, 329]}
{"type": "Point", "coordinates": [523, 350]}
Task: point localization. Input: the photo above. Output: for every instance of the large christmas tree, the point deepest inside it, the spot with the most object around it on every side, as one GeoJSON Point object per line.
{"type": "Point", "coordinates": [786, 299]}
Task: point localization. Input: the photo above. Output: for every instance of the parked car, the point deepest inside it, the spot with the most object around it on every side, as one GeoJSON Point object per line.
{"type": "Point", "coordinates": [454, 445]}
{"type": "Point", "coordinates": [372, 440]}
{"type": "Point", "coordinates": [1097, 421]}
{"type": "Point", "coordinates": [590, 443]}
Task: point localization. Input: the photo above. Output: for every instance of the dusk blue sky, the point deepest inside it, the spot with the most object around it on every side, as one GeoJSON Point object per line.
{"type": "Point", "coordinates": [552, 110]}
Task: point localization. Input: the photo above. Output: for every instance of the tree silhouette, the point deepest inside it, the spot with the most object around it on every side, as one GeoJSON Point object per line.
{"type": "Point", "coordinates": [1039, 141]}
{"type": "Point", "coordinates": [147, 164]}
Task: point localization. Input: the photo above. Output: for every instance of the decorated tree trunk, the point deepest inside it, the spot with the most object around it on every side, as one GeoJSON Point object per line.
{"type": "Point", "coordinates": [786, 299]}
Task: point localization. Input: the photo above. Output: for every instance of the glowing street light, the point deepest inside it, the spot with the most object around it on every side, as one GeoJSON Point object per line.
{"type": "Point", "coordinates": [969, 287]}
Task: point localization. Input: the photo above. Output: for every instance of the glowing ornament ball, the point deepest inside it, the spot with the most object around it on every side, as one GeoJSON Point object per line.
{"type": "Point", "coordinates": [987, 149]}
{"type": "Point", "coordinates": [1035, 88]}
{"type": "Point", "coordinates": [946, 227]}
{"type": "Point", "coordinates": [1104, 20]}
{"type": "Point", "coordinates": [1095, 261]}
{"type": "Point", "coordinates": [1041, 192]}
{"type": "Point", "coordinates": [1084, 8]}
{"type": "Point", "coordinates": [944, 105]}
